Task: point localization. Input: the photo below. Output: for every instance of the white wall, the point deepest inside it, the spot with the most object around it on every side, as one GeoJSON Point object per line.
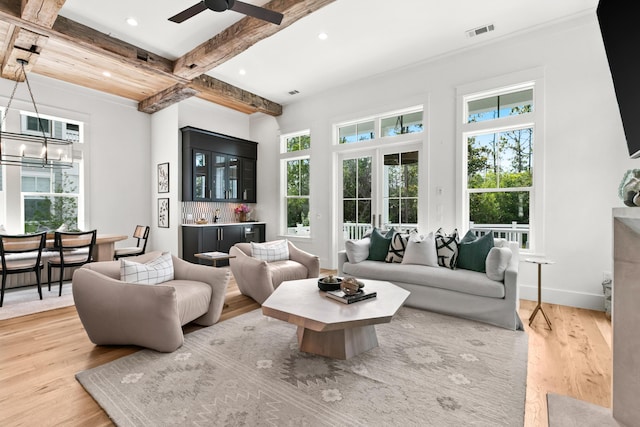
{"type": "Point", "coordinates": [117, 152]}
{"type": "Point", "coordinates": [585, 149]}
{"type": "Point", "coordinates": [165, 149]}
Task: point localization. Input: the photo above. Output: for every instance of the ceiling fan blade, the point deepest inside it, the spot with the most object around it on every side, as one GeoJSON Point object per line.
{"type": "Point", "coordinates": [189, 13]}
{"type": "Point", "coordinates": [257, 12]}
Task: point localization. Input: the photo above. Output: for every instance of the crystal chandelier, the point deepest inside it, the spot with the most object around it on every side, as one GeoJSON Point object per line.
{"type": "Point", "coordinates": [18, 149]}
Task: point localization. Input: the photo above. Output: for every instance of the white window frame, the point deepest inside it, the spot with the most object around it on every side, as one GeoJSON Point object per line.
{"type": "Point", "coordinates": [377, 131]}
{"type": "Point", "coordinates": [287, 156]}
{"type": "Point", "coordinates": [533, 78]}
{"type": "Point", "coordinates": [78, 156]}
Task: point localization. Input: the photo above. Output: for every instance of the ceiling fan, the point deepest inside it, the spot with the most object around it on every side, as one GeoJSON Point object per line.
{"type": "Point", "coordinates": [222, 5]}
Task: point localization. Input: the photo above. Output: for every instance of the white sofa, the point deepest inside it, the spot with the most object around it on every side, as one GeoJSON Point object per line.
{"type": "Point", "coordinates": [462, 293]}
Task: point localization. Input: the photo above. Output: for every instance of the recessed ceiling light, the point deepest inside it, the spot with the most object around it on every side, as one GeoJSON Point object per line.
{"type": "Point", "coordinates": [106, 74]}
{"type": "Point", "coordinates": [242, 71]}
{"type": "Point", "coordinates": [132, 21]}
{"type": "Point", "coordinates": [323, 36]}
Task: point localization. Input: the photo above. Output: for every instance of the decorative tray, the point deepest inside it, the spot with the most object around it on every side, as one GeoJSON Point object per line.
{"type": "Point", "coordinates": [329, 283]}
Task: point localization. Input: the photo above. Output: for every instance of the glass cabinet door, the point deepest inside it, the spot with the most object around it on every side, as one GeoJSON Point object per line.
{"type": "Point", "coordinates": [220, 177]}
{"type": "Point", "coordinates": [232, 178]}
{"type": "Point", "coordinates": [201, 175]}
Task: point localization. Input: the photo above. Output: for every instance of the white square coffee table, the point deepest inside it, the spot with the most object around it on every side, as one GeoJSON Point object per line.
{"type": "Point", "coordinates": [330, 328]}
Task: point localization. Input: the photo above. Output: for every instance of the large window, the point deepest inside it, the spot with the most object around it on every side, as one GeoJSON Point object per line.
{"type": "Point", "coordinates": [52, 198]}
{"type": "Point", "coordinates": [295, 165]}
{"type": "Point", "coordinates": [379, 163]}
{"type": "Point", "coordinates": [500, 150]}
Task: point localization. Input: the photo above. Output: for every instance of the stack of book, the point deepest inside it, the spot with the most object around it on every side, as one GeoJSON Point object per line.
{"type": "Point", "coordinates": [348, 299]}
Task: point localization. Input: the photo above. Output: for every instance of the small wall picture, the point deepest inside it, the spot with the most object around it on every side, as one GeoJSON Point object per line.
{"type": "Point", "coordinates": [163, 213]}
{"type": "Point", "coordinates": [163, 178]}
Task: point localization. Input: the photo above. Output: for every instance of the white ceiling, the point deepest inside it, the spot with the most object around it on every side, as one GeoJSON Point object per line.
{"type": "Point", "coordinates": [366, 37]}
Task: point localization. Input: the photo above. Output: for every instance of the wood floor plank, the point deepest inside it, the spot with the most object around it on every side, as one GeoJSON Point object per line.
{"type": "Point", "coordinates": [41, 353]}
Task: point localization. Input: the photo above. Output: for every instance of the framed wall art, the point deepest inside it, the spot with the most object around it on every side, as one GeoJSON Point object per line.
{"type": "Point", "coordinates": [163, 178]}
{"type": "Point", "coordinates": [163, 213]}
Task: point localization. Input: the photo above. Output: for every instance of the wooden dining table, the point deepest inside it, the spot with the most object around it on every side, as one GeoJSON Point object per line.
{"type": "Point", "coordinates": [105, 246]}
{"type": "Point", "coordinates": [104, 249]}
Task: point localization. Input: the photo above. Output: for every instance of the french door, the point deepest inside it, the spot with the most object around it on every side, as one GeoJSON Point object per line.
{"type": "Point", "coordinates": [379, 188]}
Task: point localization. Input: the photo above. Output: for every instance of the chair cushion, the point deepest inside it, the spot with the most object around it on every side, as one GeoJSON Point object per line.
{"type": "Point", "coordinates": [193, 299]}
{"type": "Point", "coordinates": [133, 250]}
{"type": "Point", "coordinates": [286, 270]}
{"type": "Point", "coordinates": [152, 272]}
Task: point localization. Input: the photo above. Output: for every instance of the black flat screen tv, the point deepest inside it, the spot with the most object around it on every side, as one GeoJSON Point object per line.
{"type": "Point", "coordinates": [618, 25]}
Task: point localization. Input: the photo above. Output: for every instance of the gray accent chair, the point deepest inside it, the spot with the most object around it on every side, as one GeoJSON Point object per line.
{"type": "Point", "coordinates": [258, 279]}
{"type": "Point", "coordinates": [152, 316]}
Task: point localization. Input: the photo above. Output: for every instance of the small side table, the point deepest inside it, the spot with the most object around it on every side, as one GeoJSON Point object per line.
{"type": "Point", "coordinates": [214, 257]}
{"type": "Point", "coordinates": [539, 306]}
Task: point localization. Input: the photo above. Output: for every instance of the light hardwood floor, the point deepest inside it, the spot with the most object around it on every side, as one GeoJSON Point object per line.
{"type": "Point", "coordinates": [40, 353]}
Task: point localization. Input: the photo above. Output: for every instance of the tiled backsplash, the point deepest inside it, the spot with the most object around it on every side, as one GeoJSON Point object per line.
{"type": "Point", "coordinates": [206, 210]}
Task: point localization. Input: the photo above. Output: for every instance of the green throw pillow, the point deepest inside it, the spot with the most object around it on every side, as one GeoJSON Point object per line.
{"type": "Point", "coordinates": [379, 245]}
{"type": "Point", "coordinates": [473, 251]}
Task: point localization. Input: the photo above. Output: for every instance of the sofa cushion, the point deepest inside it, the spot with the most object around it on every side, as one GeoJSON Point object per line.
{"type": "Point", "coordinates": [152, 272]}
{"type": "Point", "coordinates": [497, 263]}
{"type": "Point", "coordinates": [397, 247]}
{"type": "Point", "coordinates": [357, 250]}
{"type": "Point", "coordinates": [421, 250]}
{"type": "Point", "coordinates": [276, 250]}
{"type": "Point", "coordinates": [193, 298]}
{"type": "Point", "coordinates": [473, 251]}
{"type": "Point", "coordinates": [447, 248]}
{"type": "Point", "coordinates": [379, 245]}
{"type": "Point", "coordinates": [465, 281]}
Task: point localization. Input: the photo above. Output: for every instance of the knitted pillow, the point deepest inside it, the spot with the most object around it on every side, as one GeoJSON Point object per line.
{"type": "Point", "coordinates": [447, 247]}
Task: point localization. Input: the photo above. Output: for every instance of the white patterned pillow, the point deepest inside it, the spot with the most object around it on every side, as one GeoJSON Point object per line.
{"type": "Point", "coordinates": [447, 247]}
{"type": "Point", "coordinates": [397, 247]}
{"type": "Point", "coordinates": [156, 271]}
{"type": "Point", "coordinates": [277, 250]}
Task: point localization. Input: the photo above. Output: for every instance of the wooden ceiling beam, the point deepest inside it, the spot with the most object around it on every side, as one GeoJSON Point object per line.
{"type": "Point", "coordinates": [41, 12]}
{"type": "Point", "coordinates": [166, 98]}
{"type": "Point", "coordinates": [242, 35]}
{"type": "Point", "coordinates": [222, 93]}
{"type": "Point", "coordinates": [30, 36]}
{"type": "Point", "coordinates": [26, 44]}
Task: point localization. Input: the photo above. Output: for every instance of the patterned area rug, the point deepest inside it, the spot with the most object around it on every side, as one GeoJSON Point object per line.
{"type": "Point", "coordinates": [429, 369]}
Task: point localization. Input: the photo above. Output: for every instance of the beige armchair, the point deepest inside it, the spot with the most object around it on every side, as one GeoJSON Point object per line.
{"type": "Point", "coordinates": [152, 316]}
{"type": "Point", "coordinates": [257, 279]}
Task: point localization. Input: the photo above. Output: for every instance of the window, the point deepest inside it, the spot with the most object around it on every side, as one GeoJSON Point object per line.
{"type": "Point", "coordinates": [296, 163]}
{"type": "Point", "coordinates": [393, 124]}
{"type": "Point", "coordinates": [50, 198]}
{"type": "Point", "coordinates": [53, 197]}
{"type": "Point", "coordinates": [500, 151]}
{"type": "Point", "coordinates": [379, 176]}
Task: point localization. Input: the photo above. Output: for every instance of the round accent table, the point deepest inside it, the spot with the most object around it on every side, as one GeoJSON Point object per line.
{"type": "Point", "coordinates": [539, 261]}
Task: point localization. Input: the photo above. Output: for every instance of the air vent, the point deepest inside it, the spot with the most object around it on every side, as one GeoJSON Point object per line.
{"type": "Point", "coordinates": [480, 30]}
{"type": "Point", "coordinates": [293, 92]}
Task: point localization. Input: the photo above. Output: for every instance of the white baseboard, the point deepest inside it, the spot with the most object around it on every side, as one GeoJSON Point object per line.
{"type": "Point", "coordinates": [562, 297]}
